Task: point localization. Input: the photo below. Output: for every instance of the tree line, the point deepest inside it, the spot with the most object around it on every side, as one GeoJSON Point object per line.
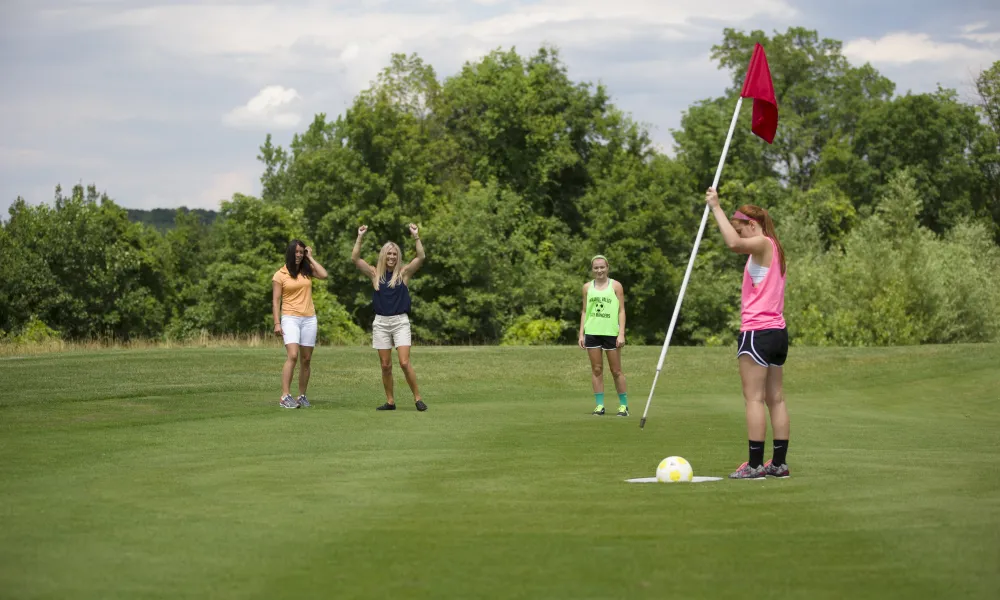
{"type": "Point", "coordinates": [888, 206]}
{"type": "Point", "coordinates": [164, 219]}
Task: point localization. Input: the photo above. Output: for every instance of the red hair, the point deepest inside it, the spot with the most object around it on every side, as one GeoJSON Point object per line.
{"type": "Point", "coordinates": [760, 216]}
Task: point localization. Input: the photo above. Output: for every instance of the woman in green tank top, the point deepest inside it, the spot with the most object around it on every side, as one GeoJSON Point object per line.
{"type": "Point", "coordinates": [602, 327]}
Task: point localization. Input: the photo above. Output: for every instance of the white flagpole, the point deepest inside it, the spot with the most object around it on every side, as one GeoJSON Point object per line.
{"type": "Point", "coordinates": [694, 252]}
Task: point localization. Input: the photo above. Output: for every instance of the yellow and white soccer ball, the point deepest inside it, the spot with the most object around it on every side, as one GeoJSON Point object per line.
{"type": "Point", "coordinates": [674, 468]}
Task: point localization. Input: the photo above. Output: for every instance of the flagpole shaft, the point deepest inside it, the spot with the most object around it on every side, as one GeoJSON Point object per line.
{"type": "Point", "coordinates": [694, 252]}
{"type": "Point", "coordinates": [729, 138]}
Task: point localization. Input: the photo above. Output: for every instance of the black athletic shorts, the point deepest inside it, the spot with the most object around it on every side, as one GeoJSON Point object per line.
{"type": "Point", "coordinates": [607, 342]}
{"type": "Point", "coordinates": [767, 347]}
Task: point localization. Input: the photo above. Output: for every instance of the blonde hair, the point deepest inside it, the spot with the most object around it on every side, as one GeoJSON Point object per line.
{"type": "Point", "coordinates": [397, 273]}
{"type": "Point", "coordinates": [602, 257]}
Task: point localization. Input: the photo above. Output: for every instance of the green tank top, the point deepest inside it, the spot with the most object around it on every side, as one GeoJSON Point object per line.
{"type": "Point", "coordinates": [602, 311]}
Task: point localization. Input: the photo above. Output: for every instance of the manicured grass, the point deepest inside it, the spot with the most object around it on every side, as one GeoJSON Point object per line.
{"type": "Point", "coordinates": [174, 474]}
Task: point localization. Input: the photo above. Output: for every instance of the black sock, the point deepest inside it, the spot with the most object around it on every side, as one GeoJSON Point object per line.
{"type": "Point", "coordinates": [780, 451]}
{"type": "Point", "coordinates": [756, 453]}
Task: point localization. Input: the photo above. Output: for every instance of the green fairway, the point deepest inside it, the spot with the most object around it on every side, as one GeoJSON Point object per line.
{"type": "Point", "coordinates": [174, 474]}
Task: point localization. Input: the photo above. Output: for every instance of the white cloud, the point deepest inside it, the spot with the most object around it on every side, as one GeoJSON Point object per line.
{"type": "Point", "coordinates": [906, 47]}
{"type": "Point", "coordinates": [975, 26]}
{"type": "Point", "coordinates": [222, 186]}
{"type": "Point", "coordinates": [989, 39]}
{"type": "Point", "coordinates": [350, 53]}
{"type": "Point", "coordinates": [630, 13]}
{"type": "Point", "coordinates": [650, 53]}
{"type": "Point", "coordinates": [265, 110]}
{"type": "Point", "coordinates": [342, 48]}
{"type": "Point", "coordinates": [269, 32]}
{"type": "Point", "coordinates": [918, 62]}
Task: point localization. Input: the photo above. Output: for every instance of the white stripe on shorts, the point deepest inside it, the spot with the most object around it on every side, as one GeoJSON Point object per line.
{"type": "Point", "coordinates": [752, 352]}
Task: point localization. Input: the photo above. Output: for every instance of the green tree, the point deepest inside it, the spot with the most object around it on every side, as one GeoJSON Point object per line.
{"type": "Point", "coordinates": [988, 86]}
{"type": "Point", "coordinates": [523, 123]}
{"type": "Point", "coordinates": [274, 179]}
{"type": "Point", "coordinates": [81, 267]}
{"type": "Point", "coordinates": [233, 294]}
{"type": "Point", "coordinates": [821, 97]}
{"type": "Point", "coordinates": [897, 282]}
{"type": "Point", "coordinates": [190, 247]}
{"type": "Point", "coordinates": [514, 130]}
{"type": "Point", "coordinates": [490, 261]}
{"type": "Point", "coordinates": [944, 145]}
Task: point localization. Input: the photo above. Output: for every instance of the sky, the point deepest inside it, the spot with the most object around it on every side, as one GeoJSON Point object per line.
{"type": "Point", "coordinates": [165, 104]}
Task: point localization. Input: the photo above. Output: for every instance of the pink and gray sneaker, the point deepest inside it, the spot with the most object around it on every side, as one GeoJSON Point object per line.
{"type": "Point", "coordinates": [780, 471]}
{"type": "Point", "coordinates": [747, 472]}
{"type": "Point", "coordinates": [288, 402]}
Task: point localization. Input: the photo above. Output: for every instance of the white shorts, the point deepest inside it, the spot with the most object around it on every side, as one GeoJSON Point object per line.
{"type": "Point", "coordinates": [299, 330]}
{"type": "Point", "coordinates": [390, 332]}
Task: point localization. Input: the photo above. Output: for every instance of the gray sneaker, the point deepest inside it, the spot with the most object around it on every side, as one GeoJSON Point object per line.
{"type": "Point", "coordinates": [288, 402]}
{"type": "Point", "coordinates": [747, 472]}
{"type": "Point", "coordinates": [772, 470]}
{"type": "Point", "coordinates": [303, 402]}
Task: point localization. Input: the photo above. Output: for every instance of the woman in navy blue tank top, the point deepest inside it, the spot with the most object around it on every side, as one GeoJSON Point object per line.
{"type": "Point", "coordinates": [391, 301]}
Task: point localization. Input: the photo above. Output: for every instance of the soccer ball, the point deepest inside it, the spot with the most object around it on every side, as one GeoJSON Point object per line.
{"type": "Point", "coordinates": [674, 468]}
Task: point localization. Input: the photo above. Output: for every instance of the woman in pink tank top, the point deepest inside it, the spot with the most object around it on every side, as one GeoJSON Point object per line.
{"type": "Point", "coordinates": [763, 341]}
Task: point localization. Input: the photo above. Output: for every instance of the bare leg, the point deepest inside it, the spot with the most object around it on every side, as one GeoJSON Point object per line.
{"type": "Point", "coordinates": [385, 359]}
{"type": "Point", "coordinates": [615, 364]}
{"type": "Point", "coordinates": [753, 377]}
{"type": "Point", "coordinates": [292, 351]}
{"type": "Point", "coordinates": [305, 356]}
{"type": "Point", "coordinates": [403, 354]}
{"type": "Point", "coordinates": [596, 369]}
{"type": "Point", "coordinates": [775, 398]}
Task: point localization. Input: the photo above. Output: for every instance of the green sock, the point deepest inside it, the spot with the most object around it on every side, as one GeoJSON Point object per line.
{"type": "Point", "coordinates": [623, 398]}
{"type": "Point", "coordinates": [599, 396]}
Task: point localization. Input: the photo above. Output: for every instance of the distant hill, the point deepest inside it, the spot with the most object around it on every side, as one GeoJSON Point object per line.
{"type": "Point", "coordinates": [163, 218]}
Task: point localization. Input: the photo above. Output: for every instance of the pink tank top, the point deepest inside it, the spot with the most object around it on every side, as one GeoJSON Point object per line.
{"type": "Point", "coordinates": [762, 306]}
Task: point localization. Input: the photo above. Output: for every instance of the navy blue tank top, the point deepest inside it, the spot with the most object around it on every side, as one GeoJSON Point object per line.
{"type": "Point", "coordinates": [389, 301]}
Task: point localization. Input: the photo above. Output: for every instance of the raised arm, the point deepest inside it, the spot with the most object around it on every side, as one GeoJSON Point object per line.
{"type": "Point", "coordinates": [317, 268]}
{"type": "Point", "coordinates": [359, 262]}
{"type": "Point", "coordinates": [755, 245]}
{"type": "Point", "coordinates": [583, 314]}
{"type": "Point", "coordinates": [418, 260]}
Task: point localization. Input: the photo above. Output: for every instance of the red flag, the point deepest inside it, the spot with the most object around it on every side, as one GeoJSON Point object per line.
{"type": "Point", "coordinates": [758, 86]}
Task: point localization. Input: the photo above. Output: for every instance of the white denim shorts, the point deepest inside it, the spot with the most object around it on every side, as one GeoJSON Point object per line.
{"type": "Point", "coordinates": [390, 332]}
{"type": "Point", "coordinates": [299, 330]}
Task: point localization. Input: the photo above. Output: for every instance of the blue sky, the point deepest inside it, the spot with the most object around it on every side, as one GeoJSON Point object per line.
{"type": "Point", "coordinates": [164, 104]}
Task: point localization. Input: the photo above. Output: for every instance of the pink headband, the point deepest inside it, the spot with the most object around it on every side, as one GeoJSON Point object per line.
{"type": "Point", "coordinates": [742, 217]}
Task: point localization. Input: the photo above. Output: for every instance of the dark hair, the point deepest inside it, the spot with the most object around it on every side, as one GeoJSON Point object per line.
{"type": "Point", "coordinates": [293, 269]}
{"type": "Point", "coordinates": [764, 220]}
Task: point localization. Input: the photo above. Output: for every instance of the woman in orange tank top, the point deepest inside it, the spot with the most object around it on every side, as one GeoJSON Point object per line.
{"type": "Point", "coordinates": [295, 317]}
